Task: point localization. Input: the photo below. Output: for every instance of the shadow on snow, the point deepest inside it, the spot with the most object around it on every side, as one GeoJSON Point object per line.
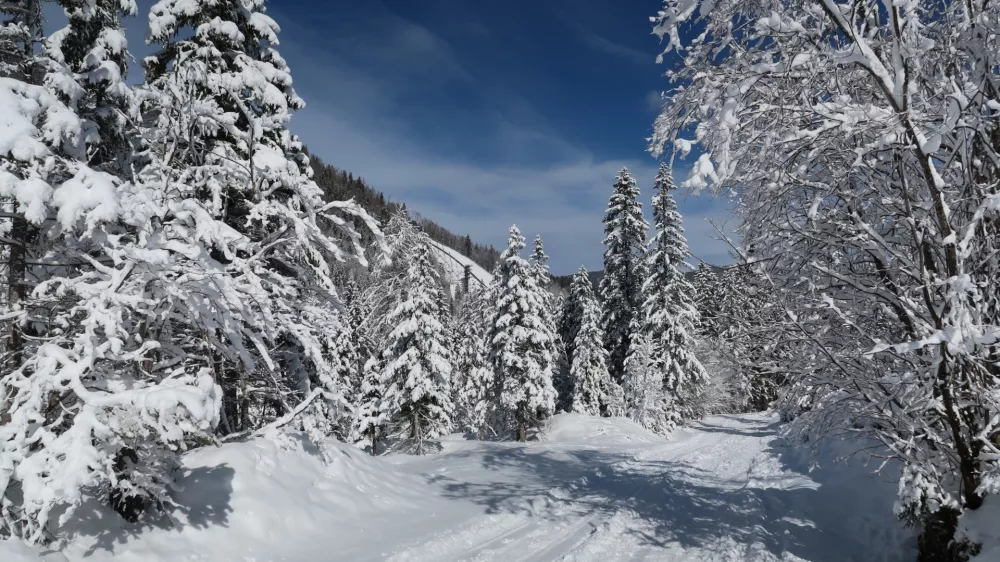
{"type": "Point", "coordinates": [678, 504]}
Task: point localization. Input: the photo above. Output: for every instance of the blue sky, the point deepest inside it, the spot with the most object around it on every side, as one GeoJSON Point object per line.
{"type": "Point", "coordinates": [483, 114]}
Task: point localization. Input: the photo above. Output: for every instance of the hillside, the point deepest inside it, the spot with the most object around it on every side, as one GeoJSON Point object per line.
{"type": "Point", "coordinates": [340, 185]}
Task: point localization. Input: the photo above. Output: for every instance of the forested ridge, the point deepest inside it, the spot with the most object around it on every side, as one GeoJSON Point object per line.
{"type": "Point", "coordinates": [340, 185]}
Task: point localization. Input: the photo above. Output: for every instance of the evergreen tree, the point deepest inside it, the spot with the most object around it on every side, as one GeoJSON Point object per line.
{"type": "Point", "coordinates": [218, 101]}
{"type": "Point", "coordinates": [668, 310]}
{"type": "Point", "coordinates": [647, 401]}
{"type": "Point", "coordinates": [707, 286]}
{"type": "Point", "coordinates": [92, 51]}
{"type": "Point", "coordinates": [594, 392]}
{"type": "Point", "coordinates": [570, 316]}
{"type": "Point", "coordinates": [416, 376]}
{"type": "Point", "coordinates": [625, 238]}
{"type": "Point", "coordinates": [470, 374]}
{"type": "Point", "coordinates": [120, 424]}
{"type": "Point", "coordinates": [370, 419]}
{"type": "Point", "coordinates": [520, 344]}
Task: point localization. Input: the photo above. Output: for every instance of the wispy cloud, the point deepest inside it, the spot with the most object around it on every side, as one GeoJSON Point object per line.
{"type": "Point", "coordinates": [604, 45]}
{"type": "Point", "coordinates": [654, 100]}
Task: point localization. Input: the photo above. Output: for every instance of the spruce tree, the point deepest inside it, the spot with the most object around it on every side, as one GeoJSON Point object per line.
{"type": "Point", "coordinates": [217, 103]}
{"type": "Point", "coordinates": [594, 392]}
{"type": "Point", "coordinates": [570, 316]}
{"type": "Point", "coordinates": [416, 377]}
{"type": "Point", "coordinates": [625, 239]}
{"type": "Point", "coordinates": [520, 343]}
{"type": "Point", "coordinates": [122, 424]}
{"type": "Point", "coordinates": [707, 300]}
{"type": "Point", "coordinates": [370, 419]}
{"type": "Point", "coordinates": [648, 403]}
{"type": "Point", "coordinates": [668, 310]}
{"type": "Point", "coordinates": [92, 50]}
{"type": "Point", "coordinates": [470, 374]}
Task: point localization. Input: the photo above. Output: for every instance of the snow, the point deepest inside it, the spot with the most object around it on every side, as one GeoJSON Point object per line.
{"type": "Point", "coordinates": [980, 526]}
{"type": "Point", "coordinates": [724, 489]}
{"type": "Point", "coordinates": [455, 263]}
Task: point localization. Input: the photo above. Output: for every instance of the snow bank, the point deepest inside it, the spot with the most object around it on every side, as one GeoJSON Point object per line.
{"type": "Point", "coordinates": [592, 430]}
{"type": "Point", "coordinates": [455, 263]}
{"type": "Point", "coordinates": [275, 498]}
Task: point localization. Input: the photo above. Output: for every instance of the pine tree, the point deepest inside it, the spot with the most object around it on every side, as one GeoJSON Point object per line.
{"type": "Point", "coordinates": [625, 238]}
{"type": "Point", "coordinates": [594, 392]}
{"type": "Point", "coordinates": [120, 424]}
{"type": "Point", "coordinates": [647, 401]}
{"type": "Point", "coordinates": [570, 316]}
{"type": "Point", "coordinates": [370, 419]}
{"type": "Point", "coordinates": [416, 376]}
{"type": "Point", "coordinates": [471, 376]}
{"type": "Point", "coordinates": [218, 101]}
{"type": "Point", "coordinates": [668, 310]}
{"type": "Point", "coordinates": [707, 287]}
{"type": "Point", "coordinates": [539, 261]}
{"type": "Point", "coordinates": [92, 51]}
{"type": "Point", "coordinates": [520, 344]}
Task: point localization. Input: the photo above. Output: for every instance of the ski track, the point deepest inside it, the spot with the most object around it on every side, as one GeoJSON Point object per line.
{"type": "Point", "coordinates": [632, 505]}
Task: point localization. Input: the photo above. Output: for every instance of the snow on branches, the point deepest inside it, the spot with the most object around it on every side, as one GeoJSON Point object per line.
{"type": "Point", "coordinates": [860, 140]}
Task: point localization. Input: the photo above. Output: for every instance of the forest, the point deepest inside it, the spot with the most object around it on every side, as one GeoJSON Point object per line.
{"type": "Point", "coordinates": [180, 274]}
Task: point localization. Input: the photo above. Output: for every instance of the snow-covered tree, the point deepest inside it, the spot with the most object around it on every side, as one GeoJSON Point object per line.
{"type": "Point", "coordinates": [859, 138]}
{"type": "Point", "coordinates": [570, 318]}
{"type": "Point", "coordinates": [370, 420]}
{"type": "Point", "coordinates": [416, 377]}
{"type": "Point", "coordinates": [750, 349]}
{"type": "Point", "coordinates": [594, 392]}
{"type": "Point", "coordinates": [625, 239]}
{"type": "Point", "coordinates": [84, 411]}
{"type": "Point", "coordinates": [519, 344]}
{"type": "Point", "coordinates": [668, 314]}
{"type": "Point", "coordinates": [93, 53]}
{"type": "Point", "coordinates": [471, 377]}
{"type": "Point", "coordinates": [646, 400]}
{"type": "Point", "coordinates": [229, 180]}
{"type": "Point", "coordinates": [707, 291]}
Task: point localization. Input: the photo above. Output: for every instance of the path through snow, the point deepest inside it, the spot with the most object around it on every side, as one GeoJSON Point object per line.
{"type": "Point", "coordinates": [600, 490]}
{"type": "Point", "coordinates": [592, 489]}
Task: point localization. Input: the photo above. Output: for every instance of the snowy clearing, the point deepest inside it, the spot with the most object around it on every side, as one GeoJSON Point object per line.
{"type": "Point", "coordinates": [592, 489]}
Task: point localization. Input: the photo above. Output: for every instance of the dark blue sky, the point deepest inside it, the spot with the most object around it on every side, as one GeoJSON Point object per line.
{"type": "Point", "coordinates": [482, 114]}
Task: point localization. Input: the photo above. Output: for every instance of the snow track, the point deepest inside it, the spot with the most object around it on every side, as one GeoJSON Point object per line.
{"type": "Point", "coordinates": [723, 490]}
{"type": "Point", "coordinates": [591, 490]}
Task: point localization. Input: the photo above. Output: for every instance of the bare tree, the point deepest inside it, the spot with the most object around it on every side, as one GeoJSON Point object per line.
{"type": "Point", "coordinates": [861, 140]}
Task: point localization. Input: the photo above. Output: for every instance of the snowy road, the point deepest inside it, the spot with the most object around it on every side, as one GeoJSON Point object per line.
{"type": "Point", "coordinates": [724, 489]}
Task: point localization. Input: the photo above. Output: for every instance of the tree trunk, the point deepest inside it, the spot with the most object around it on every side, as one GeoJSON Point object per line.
{"type": "Point", "coordinates": [418, 441]}
{"type": "Point", "coordinates": [936, 542]}
{"type": "Point", "coordinates": [16, 269]}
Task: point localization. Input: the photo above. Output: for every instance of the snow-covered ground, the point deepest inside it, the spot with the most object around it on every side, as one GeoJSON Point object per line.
{"type": "Point", "coordinates": [591, 489]}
